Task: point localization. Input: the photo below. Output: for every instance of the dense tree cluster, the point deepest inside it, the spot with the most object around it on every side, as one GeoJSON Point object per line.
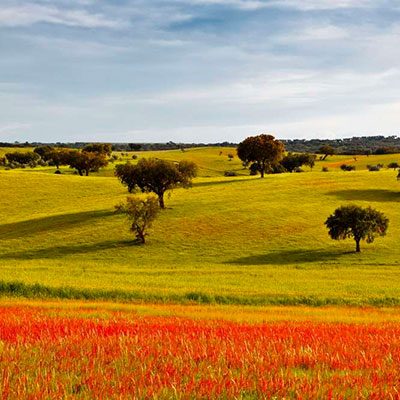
{"type": "Point", "coordinates": [86, 162]}
{"type": "Point", "coordinates": [22, 158]}
{"type": "Point", "coordinates": [292, 161]}
{"type": "Point", "coordinates": [356, 145]}
{"type": "Point", "coordinates": [89, 159]}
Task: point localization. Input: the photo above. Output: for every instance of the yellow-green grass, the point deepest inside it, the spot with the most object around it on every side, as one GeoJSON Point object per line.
{"type": "Point", "coordinates": [229, 240]}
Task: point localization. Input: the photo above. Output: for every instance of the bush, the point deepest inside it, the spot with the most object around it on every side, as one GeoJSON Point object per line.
{"type": "Point", "coordinates": [373, 168]}
{"type": "Point", "coordinates": [325, 169]}
{"type": "Point", "coordinates": [298, 169]}
{"type": "Point", "coordinates": [134, 157]}
{"type": "Point", "coordinates": [345, 167]}
{"type": "Point", "coordinates": [230, 173]}
{"type": "Point", "coordinates": [393, 165]}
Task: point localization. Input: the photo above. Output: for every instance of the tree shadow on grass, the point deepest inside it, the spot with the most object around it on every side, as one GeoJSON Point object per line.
{"type": "Point", "coordinates": [16, 230]}
{"type": "Point", "coordinates": [367, 195]}
{"type": "Point", "coordinates": [62, 251]}
{"type": "Point", "coordinates": [287, 257]}
{"type": "Point", "coordinates": [214, 183]}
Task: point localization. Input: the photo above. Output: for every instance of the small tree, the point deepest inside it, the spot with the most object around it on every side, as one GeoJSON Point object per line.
{"type": "Point", "coordinates": [358, 223]}
{"type": "Point", "coordinates": [263, 151]}
{"type": "Point", "coordinates": [141, 211]}
{"type": "Point", "coordinates": [327, 151]}
{"type": "Point", "coordinates": [157, 176]}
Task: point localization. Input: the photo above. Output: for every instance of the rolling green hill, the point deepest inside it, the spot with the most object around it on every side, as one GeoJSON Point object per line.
{"type": "Point", "coordinates": [239, 240]}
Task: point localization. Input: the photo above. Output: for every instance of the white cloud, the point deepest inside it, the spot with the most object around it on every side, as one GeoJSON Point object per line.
{"type": "Point", "coordinates": [305, 5]}
{"type": "Point", "coordinates": [29, 14]}
{"type": "Point", "coordinates": [308, 5]}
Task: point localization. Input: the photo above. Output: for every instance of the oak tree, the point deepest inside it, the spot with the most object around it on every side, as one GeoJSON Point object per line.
{"type": "Point", "coordinates": [156, 176]}
{"type": "Point", "coordinates": [358, 223]}
{"type": "Point", "coordinates": [262, 151]}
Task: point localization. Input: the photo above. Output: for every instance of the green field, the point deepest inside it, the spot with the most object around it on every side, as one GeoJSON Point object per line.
{"type": "Point", "coordinates": [230, 240]}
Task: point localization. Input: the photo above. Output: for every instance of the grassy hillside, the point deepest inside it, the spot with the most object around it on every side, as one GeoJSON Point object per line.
{"type": "Point", "coordinates": [236, 240]}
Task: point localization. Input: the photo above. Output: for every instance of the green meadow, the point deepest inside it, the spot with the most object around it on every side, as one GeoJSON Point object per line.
{"type": "Point", "coordinates": [236, 240]}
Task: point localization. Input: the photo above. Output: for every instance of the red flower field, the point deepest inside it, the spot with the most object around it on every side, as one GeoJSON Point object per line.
{"type": "Point", "coordinates": [54, 354]}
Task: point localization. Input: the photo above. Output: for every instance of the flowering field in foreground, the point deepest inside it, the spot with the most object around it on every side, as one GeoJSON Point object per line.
{"type": "Point", "coordinates": [52, 354]}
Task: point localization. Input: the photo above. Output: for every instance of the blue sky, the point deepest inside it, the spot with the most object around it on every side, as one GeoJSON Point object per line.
{"type": "Point", "coordinates": [198, 70]}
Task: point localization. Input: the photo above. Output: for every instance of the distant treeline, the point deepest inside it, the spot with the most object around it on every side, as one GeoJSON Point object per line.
{"type": "Point", "coordinates": [350, 146]}
{"type": "Point", "coordinates": [122, 146]}
{"type": "Point", "coordinates": [354, 145]}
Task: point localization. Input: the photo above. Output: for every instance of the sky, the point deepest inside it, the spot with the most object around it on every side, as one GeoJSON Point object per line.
{"type": "Point", "coordinates": [198, 70]}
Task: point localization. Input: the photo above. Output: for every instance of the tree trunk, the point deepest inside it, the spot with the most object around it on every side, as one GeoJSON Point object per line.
{"type": "Point", "coordinates": [358, 250]}
{"type": "Point", "coordinates": [87, 172]}
{"type": "Point", "coordinates": [262, 170]}
{"type": "Point", "coordinates": [140, 235]}
{"type": "Point", "coordinates": [326, 155]}
{"type": "Point", "coordinates": [161, 200]}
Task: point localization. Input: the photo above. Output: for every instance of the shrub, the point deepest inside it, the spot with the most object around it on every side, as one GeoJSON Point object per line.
{"type": "Point", "coordinates": [295, 160]}
{"type": "Point", "coordinates": [373, 168]}
{"type": "Point", "coordinates": [345, 167]}
{"type": "Point", "coordinates": [393, 165]}
{"type": "Point", "coordinates": [325, 169]}
{"type": "Point", "coordinates": [230, 173]}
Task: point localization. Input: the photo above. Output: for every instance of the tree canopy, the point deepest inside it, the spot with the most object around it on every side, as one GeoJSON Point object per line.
{"type": "Point", "coordinates": [358, 223]}
{"type": "Point", "coordinates": [100, 148]}
{"type": "Point", "coordinates": [85, 162]}
{"type": "Point", "coordinates": [327, 151]}
{"type": "Point", "coordinates": [157, 176]}
{"type": "Point", "coordinates": [262, 151]}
